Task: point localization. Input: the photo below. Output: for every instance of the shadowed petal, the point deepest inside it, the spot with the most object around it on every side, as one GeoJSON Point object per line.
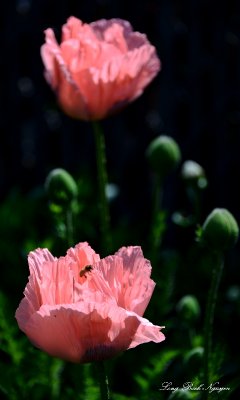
{"type": "Point", "coordinates": [83, 332]}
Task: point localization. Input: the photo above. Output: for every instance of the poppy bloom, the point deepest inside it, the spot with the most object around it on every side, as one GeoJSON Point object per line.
{"type": "Point", "coordinates": [98, 68]}
{"type": "Point", "coordinates": [82, 308]}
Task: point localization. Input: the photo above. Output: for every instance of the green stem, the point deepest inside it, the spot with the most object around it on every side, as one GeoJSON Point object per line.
{"type": "Point", "coordinates": [102, 183]}
{"type": "Point", "coordinates": [208, 326]}
{"type": "Point", "coordinates": [158, 223]}
{"type": "Point", "coordinates": [103, 380]}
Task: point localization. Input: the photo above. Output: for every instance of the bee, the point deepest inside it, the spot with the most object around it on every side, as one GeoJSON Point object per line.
{"type": "Point", "coordinates": [86, 269]}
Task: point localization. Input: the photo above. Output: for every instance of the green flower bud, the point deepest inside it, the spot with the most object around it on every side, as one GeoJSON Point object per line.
{"type": "Point", "coordinates": [193, 359]}
{"type": "Point", "coordinates": [188, 308]}
{"type": "Point", "coordinates": [61, 187]}
{"type": "Point", "coordinates": [180, 394]}
{"type": "Point", "coordinates": [220, 230]}
{"type": "Point", "coordinates": [233, 293]}
{"type": "Point", "coordinates": [163, 155]}
{"type": "Point", "coordinates": [194, 174]}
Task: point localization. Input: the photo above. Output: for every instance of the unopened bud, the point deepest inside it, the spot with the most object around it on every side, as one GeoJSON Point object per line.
{"type": "Point", "coordinates": [194, 174]}
{"type": "Point", "coordinates": [188, 308]}
{"type": "Point", "coordinates": [220, 230]}
{"type": "Point", "coordinates": [194, 359]}
{"type": "Point", "coordinates": [163, 155]}
{"type": "Point", "coordinates": [61, 187]}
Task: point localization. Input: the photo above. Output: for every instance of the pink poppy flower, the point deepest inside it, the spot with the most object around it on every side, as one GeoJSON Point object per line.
{"type": "Point", "coordinates": [80, 308]}
{"type": "Point", "coordinates": [98, 68]}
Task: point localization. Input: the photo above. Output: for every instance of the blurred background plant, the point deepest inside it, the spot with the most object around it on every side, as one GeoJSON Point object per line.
{"type": "Point", "coordinates": [194, 101]}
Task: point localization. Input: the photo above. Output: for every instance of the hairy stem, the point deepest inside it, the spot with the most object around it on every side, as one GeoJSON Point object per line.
{"type": "Point", "coordinates": [102, 184]}
{"type": "Point", "coordinates": [208, 326]}
{"type": "Point", "coordinates": [103, 380]}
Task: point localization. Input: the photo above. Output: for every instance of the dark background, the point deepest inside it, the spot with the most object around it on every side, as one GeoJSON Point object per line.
{"type": "Point", "coordinates": [195, 98]}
